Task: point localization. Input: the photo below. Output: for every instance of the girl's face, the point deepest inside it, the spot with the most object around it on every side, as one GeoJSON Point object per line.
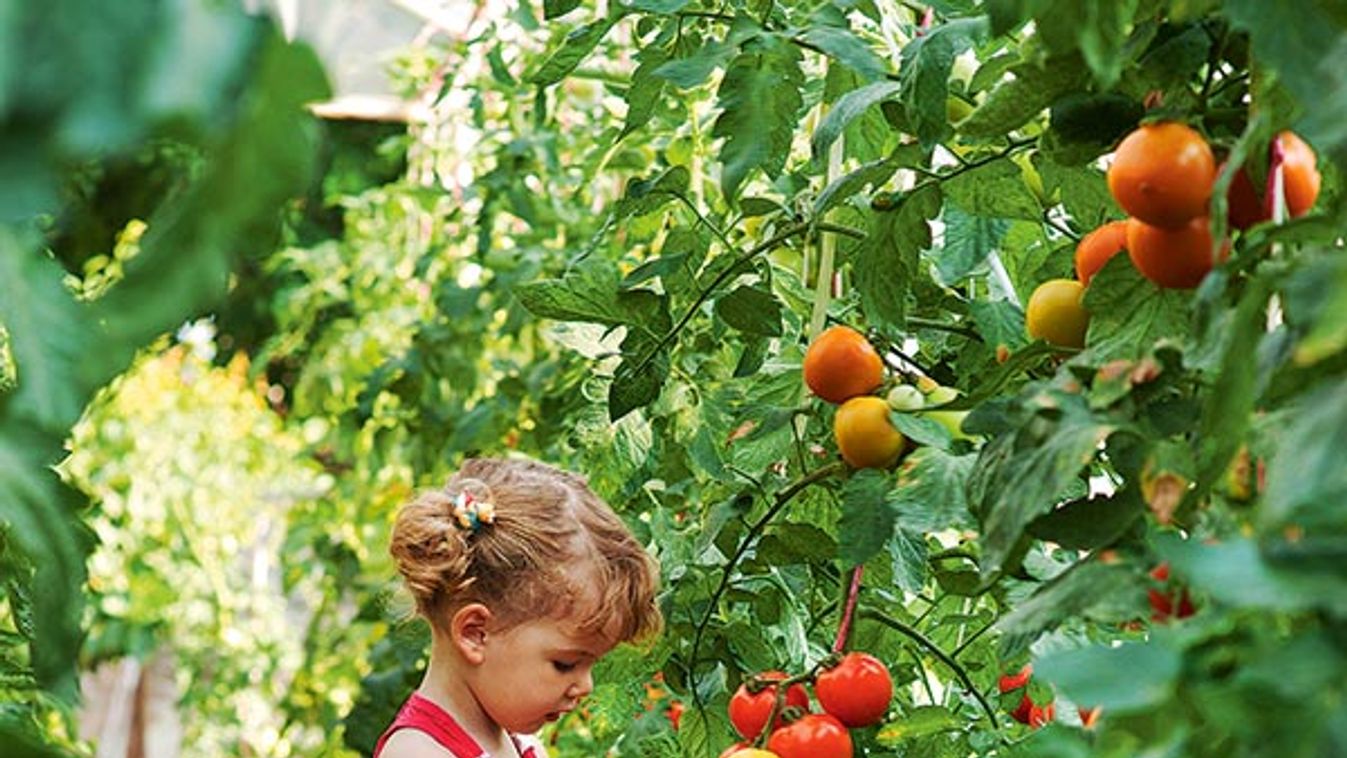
{"type": "Point", "coordinates": [535, 672]}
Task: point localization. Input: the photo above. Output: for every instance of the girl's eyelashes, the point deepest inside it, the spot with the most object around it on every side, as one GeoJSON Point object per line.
{"type": "Point", "coordinates": [563, 667]}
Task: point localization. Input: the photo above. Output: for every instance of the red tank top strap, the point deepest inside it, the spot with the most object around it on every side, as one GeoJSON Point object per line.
{"type": "Point", "coordinates": [423, 715]}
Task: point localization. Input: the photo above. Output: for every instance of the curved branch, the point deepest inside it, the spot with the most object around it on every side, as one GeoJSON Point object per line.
{"type": "Point", "coordinates": [935, 650]}
{"type": "Point", "coordinates": [782, 498]}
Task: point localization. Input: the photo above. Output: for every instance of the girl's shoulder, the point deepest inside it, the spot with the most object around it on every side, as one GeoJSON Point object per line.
{"type": "Point", "coordinates": [410, 742]}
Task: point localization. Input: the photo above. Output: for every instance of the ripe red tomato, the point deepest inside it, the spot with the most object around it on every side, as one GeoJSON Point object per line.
{"type": "Point", "coordinates": [1023, 711]}
{"type": "Point", "coordinates": [1168, 602]}
{"type": "Point", "coordinates": [1041, 715]}
{"type": "Point", "coordinates": [1244, 203]}
{"type": "Point", "coordinates": [857, 690]}
{"type": "Point", "coordinates": [817, 735]}
{"type": "Point", "coordinates": [675, 713]}
{"type": "Point", "coordinates": [1011, 682]}
{"type": "Point", "coordinates": [749, 710]}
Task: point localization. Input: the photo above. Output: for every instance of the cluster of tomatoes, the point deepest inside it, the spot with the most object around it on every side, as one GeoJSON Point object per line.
{"type": "Point", "coordinates": [1030, 712]}
{"type": "Point", "coordinates": [854, 693]}
{"type": "Point", "coordinates": [1167, 600]}
{"type": "Point", "coordinates": [843, 368]}
{"type": "Point", "coordinates": [1163, 175]}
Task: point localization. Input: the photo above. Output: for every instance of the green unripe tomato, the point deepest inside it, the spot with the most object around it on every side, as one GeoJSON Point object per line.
{"type": "Point", "coordinates": [951, 420]}
{"type": "Point", "coordinates": [905, 397]}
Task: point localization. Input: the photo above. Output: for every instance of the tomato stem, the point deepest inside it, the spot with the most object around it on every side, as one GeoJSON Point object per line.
{"type": "Point", "coordinates": [853, 594]}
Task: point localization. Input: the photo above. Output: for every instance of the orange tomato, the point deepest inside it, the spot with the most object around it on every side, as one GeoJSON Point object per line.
{"type": "Point", "coordinates": [1095, 249]}
{"type": "Point", "coordinates": [865, 436]}
{"type": "Point", "coordinates": [1055, 314]}
{"type": "Point", "coordinates": [1300, 175]}
{"type": "Point", "coordinates": [1162, 173]}
{"type": "Point", "coordinates": [1172, 258]}
{"type": "Point", "coordinates": [1300, 184]}
{"type": "Point", "coordinates": [841, 364]}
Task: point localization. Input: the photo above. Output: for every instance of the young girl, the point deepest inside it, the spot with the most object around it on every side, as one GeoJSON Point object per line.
{"type": "Point", "coordinates": [527, 579]}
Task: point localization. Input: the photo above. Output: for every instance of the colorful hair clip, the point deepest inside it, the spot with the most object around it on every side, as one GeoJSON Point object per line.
{"type": "Point", "coordinates": [471, 514]}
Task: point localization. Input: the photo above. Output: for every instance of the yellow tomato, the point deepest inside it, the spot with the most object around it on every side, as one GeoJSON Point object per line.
{"type": "Point", "coordinates": [865, 436]}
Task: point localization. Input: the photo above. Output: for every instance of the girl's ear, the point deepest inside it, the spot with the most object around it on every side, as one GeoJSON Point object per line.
{"type": "Point", "coordinates": [468, 630]}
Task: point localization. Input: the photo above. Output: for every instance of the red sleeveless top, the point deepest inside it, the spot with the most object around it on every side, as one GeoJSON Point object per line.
{"type": "Point", "coordinates": [421, 714]}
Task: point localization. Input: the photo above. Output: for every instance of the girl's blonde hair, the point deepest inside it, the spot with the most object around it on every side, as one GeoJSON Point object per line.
{"type": "Point", "coordinates": [553, 549]}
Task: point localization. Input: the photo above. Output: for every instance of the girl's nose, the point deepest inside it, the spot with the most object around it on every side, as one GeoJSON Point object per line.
{"type": "Point", "coordinates": [582, 686]}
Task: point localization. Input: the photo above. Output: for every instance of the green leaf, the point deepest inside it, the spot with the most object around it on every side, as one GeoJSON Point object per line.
{"type": "Point", "coordinates": [49, 338]}
{"type": "Point", "coordinates": [648, 195]}
{"type": "Point", "coordinates": [588, 292]}
{"type": "Point", "coordinates": [1122, 679]}
{"type": "Point", "coordinates": [1015, 102]}
{"type": "Point", "coordinates": [999, 322]}
{"type": "Point", "coordinates": [1306, 481]}
{"type": "Point", "coordinates": [844, 46]}
{"type": "Point", "coordinates": [875, 174]}
{"type": "Point", "coordinates": [930, 496]}
{"type": "Point", "coordinates": [793, 544]}
{"type": "Point", "coordinates": [1083, 191]}
{"type": "Point", "coordinates": [1103, 34]}
{"type": "Point", "coordinates": [1030, 483]}
{"type": "Point", "coordinates": [665, 265]}
{"type": "Point", "coordinates": [921, 721]}
{"type": "Point", "coordinates": [920, 429]}
{"type": "Point", "coordinates": [1070, 594]}
{"type": "Point", "coordinates": [868, 517]}
{"type": "Point", "coordinates": [233, 208]}
{"type": "Point", "coordinates": [924, 73]}
{"type": "Point", "coordinates": [646, 89]}
{"type": "Point", "coordinates": [1090, 523]}
{"type": "Point", "coordinates": [1300, 42]}
{"type": "Point", "coordinates": [575, 48]}
{"type": "Point", "coordinates": [553, 9]}
{"type": "Point", "coordinates": [1320, 291]}
{"type": "Point", "coordinates": [639, 377]}
{"type": "Point", "coordinates": [968, 241]}
{"type": "Point", "coordinates": [847, 108]}
{"type": "Point", "coordinates": [661, 7]}
{"type": "Point", "coordinates": [751, 310]}
{"type": "Point", "coordinates": [996, 190]}
{"type": "Point", "coordinates": [692, 71]}
{"type": "Point", "coordinates": [1226, 413]}
{"type": "Point", "coordinates": [887, 261]}
{"type": "Point", "coordinates": [40, 512]}
{"type": "Point", "coordinates": [1129, 315]}
{"type": "Point", "coordinates": [760, 104]}
{"type": "Point", "coordinates": [1241, 574]}
{"type": "Point", "coordinates": [909, 555]}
